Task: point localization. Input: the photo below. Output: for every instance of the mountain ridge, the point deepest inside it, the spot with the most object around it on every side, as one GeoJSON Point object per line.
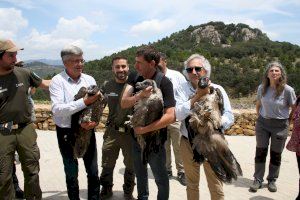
{"type": "Point", "coordinates": [237, 53]}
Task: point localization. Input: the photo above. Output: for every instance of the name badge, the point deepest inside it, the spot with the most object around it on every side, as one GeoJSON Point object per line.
{"type": "Point", "coordinates": [122, 129]}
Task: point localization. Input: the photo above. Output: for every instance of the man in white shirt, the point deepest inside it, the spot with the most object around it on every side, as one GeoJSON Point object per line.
{"type": "Point", "coordinates": [63, 88]}
{"type": "Point", "coordinates": [186, 95]}
{"type": "Point", "coordinates": [173, 129]}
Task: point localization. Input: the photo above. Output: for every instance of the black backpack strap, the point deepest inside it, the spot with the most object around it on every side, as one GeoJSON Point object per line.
{"type": "Point", "coordinates": [191, 135]}
{"type": "Point", "coordinates": [158, 77]}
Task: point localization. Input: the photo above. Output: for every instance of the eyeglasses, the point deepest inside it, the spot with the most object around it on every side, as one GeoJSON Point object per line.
{"type": "Point", "coordinates": [78, 61]}
{"type": "Point", "coordinates": [190, 69]}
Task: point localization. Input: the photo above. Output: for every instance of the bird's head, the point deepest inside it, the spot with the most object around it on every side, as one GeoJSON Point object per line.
{"type": "Point", "coordinates": [144, 84]}
{"type": "Point", "coordinates": [92, 89]}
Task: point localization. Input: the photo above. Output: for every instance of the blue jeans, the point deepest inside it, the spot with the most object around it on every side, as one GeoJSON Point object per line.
{"type": "Point", "coordinates": [64, 137]}
{"type": "Point", "coordinates": [157, 162]}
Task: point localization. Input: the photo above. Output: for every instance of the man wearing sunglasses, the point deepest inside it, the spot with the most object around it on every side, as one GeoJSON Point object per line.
{"type": "Point", "coordinates": [186, 95]}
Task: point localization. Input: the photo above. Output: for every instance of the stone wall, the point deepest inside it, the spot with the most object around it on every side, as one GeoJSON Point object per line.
{"type": "Point", "coordinates": [44, 120]}
{"type": "Point", "coordinates": [244, 121]}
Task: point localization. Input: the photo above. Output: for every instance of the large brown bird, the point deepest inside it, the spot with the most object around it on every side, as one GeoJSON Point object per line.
{"type": "Point", "coordinates": [209, 142]}
{"type": "Point", "coordinates": [92, 112]}
{"type": "Point", "coordinates": [146, 111]}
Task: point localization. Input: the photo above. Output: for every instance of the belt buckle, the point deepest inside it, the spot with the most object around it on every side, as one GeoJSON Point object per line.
{"type": "Point", "coordinates": [6, 127]}
{"type": "Point", "coordinates": [122, 129]}
{"type": "Point", "coordinates": [15, 126]}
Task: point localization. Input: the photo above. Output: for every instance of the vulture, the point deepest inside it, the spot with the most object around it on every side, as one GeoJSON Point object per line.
{"type": "Point", "coordinates": [91, 113]}
{"type": "Point", "coordinates": [146, 111]}
{"type": "Point", "coordinates": [209, 142]}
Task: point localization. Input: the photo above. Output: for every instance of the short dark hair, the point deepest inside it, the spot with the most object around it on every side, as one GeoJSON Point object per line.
{"type": "Point", "coordinates": [118, 58]}
{"type": "Point", "coordinates": [163, 56]}
{"type": "Point", "coordinates": [149, 53]}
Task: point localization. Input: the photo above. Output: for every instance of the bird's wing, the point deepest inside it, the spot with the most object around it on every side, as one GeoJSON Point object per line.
{"type": "Point", "coordinates": [220, 158]}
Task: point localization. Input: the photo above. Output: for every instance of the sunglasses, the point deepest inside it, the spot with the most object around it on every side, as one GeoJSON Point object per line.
{"type": "Point", "coordinates": [190, 69]}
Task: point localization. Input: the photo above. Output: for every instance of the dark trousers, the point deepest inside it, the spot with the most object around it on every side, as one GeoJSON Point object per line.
{"type": "Point", "coordinates": [274, 131]}
{"type": "Point", "coordinates": [157, 162]}
{"type": "Point", "coordinates": [113, 142]}
{"type": "Point", "coordinates": [22, 140]}
{"type": "Point", "coordinates": [65, 138]}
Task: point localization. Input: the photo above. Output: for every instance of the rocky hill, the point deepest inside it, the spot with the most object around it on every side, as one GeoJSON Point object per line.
{"type": "Point", "coordinates": [237, 52]}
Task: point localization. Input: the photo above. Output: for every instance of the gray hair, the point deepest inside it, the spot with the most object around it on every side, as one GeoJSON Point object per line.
{"type": "Point", "coordinates": [205, 62]}
{"type": "Point", "coordinates": [70, 50]}
{"type": "Point", "coordinates": [266, 80]}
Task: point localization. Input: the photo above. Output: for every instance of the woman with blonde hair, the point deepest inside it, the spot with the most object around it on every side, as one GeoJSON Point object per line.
{"type": "Point", "coordinates": [274, 99]}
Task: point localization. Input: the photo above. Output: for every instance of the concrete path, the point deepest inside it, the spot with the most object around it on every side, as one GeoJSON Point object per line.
{"type": "Point", "coordinates": [52, 178]}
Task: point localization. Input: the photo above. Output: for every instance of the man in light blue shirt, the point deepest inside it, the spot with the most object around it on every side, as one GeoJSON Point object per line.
{"type": "Point", "coordinates": [186, 95]}
{"type": "Point", "coordinates": [63, 88]}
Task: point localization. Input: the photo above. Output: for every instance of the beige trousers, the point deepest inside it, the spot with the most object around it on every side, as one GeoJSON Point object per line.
{"type": "Point", "coordinates": [192, 173]}
{"type": "Point", "coordinates": [173, 139]}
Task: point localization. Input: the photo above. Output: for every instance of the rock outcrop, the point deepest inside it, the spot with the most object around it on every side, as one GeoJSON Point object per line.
{"type": "Point", "coordinates": [217, 33]}
{"type": "Point", "coordinates": [207, 33]}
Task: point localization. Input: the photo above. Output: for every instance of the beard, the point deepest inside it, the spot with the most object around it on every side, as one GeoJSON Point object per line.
{"type": "Point", "coordinates": [122, 76]}
{"type": "Point", "coordinates": [8, 67]}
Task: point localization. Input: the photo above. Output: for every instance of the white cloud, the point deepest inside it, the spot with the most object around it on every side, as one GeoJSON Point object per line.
{"type": "Point", "coordinates": [77, 31]}
{"type": "Point", "coordinates": [75, 28]}
{"type": "Point", "coordinates": [11, 21]}
{"type": "Point", "coordinates": [150, 27]}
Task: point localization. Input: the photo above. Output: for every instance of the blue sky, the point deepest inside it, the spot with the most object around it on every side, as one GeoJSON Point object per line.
{"type": "Point", "coordinates": [44, 27]}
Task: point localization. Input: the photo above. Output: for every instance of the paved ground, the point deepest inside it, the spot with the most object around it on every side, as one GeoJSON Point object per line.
{"type": "Point", "coordinates": [52, 177]}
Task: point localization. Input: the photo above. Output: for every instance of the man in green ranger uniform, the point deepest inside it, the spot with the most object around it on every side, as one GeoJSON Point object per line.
{"type": "Point", "coordinates": [17, 132]}
{"type": "Point", "coordinates": [117, 135]}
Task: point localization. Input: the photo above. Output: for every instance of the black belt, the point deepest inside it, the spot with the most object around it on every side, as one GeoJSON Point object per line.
{"type": "Point", "coordinates": [122, 129]}
{"type": "Point", "coordinates": [13, 126]}
{"type": "Point", "coordinates": [7, 128]}
{"type": "Point", "coordinates": [19, 125]}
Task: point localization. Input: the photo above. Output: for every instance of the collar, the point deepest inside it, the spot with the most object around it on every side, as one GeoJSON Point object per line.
{"type": "Point", "coordinates": [65, 74]}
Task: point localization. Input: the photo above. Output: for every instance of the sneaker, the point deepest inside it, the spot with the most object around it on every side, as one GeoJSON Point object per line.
{"type": "Point", "coordinates": [181, 178]}
{"type": "Point", "coordinates": [170, 174]}
{"type": "Point", "coordinates": [272, 186]}
{"type": "Point", "coordinates": [106, 192]}
{"type": "Point", "coordinates": [19, 193]}
{"type": "Point", "coordinates": [255, 185]}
